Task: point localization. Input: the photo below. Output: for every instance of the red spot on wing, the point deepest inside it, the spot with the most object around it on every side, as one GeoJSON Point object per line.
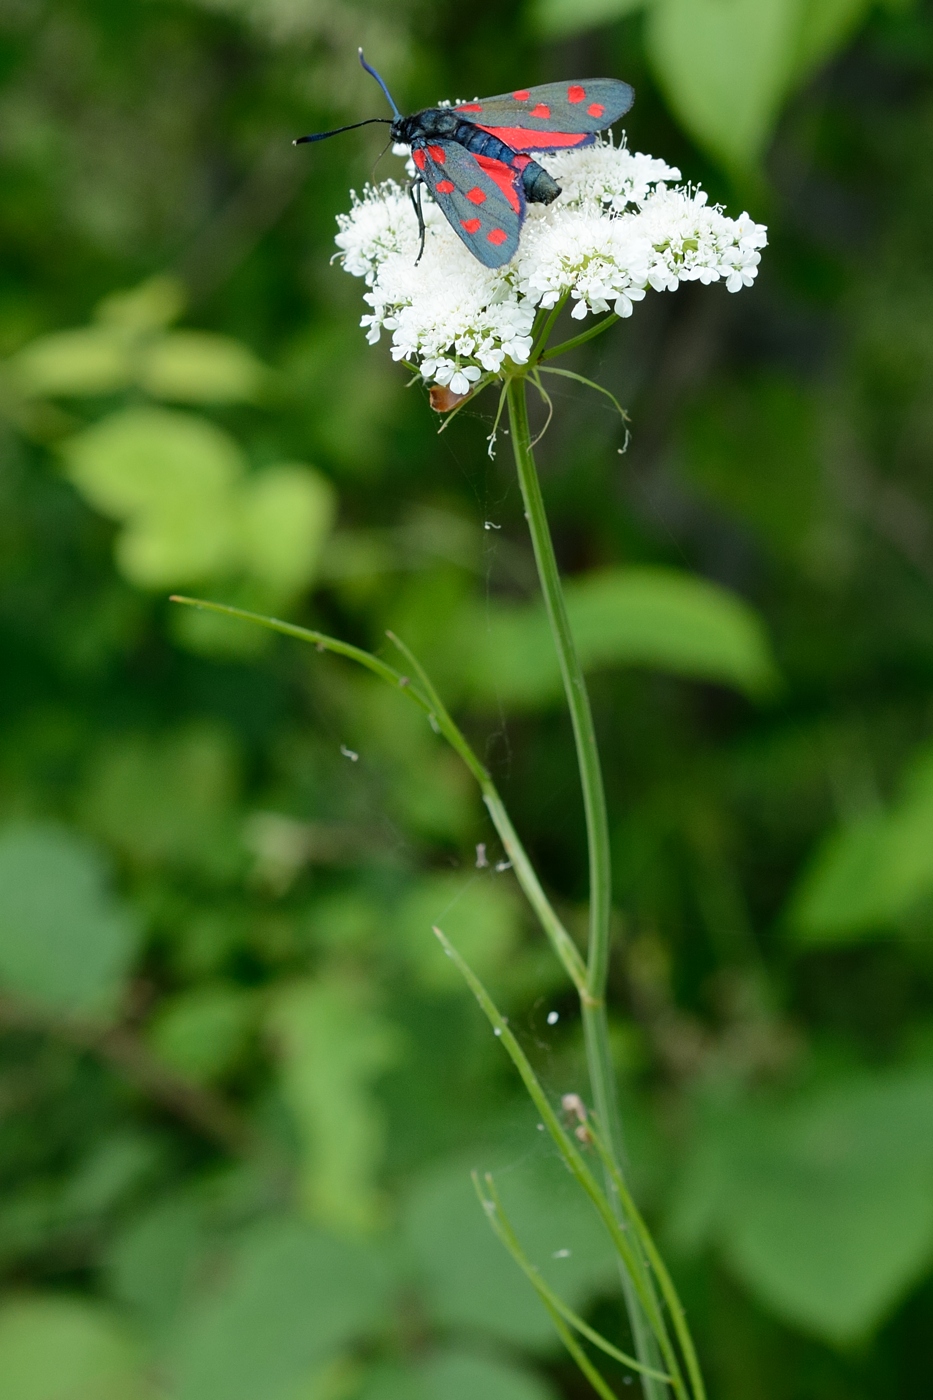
{"type": "Point", "coordinates": [469, 107]}
{"type": "Point", "coordinates": [471, 225]}
{"type": "Point", "coordinates": [575, 93]}
{"type": "Point", "coordinates": [522, 95]}
{"type": "Point", "coordinates": [497, 236]}
{"type": "Point", "coordinates": [521, 139]}
{"type": "Point", "coordinates": [520, 162]}
{"type": "Point", "coordinates": [505, 177]}
{"type": "Point", "coordinates": [476, 195]}
{"type": "Point", "coordinates": [596, 109]}
{"type": "Point", "coordinates": [540, 110]}
{"type": "Point", "coordinates": [445, 187]}
{"type": "Point", "coordinates": [419, 157]}
{"type": "Point", "coordinates": [437, 154]}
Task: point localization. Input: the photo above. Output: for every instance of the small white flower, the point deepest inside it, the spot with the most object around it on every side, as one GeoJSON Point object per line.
{"type": "Point", "coordinates": [621, 226]}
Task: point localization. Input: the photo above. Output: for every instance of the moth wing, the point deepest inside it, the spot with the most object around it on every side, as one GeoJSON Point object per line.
{"type": "Point", "coordinates": [483, 200]}
{"type": "Point", "coordinates": [553, 116]}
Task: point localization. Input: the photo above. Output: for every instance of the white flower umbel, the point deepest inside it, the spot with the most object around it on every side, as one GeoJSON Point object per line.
{"type": "Point", "coordinates": [620, 227]}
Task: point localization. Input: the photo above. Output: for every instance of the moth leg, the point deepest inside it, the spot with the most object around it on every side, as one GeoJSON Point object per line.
{"type": "Point", "coordinates": [419, 213]}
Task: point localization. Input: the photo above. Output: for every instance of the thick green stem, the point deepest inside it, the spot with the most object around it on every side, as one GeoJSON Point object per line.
{"type": "Point", "coordinates": [596, 1030]}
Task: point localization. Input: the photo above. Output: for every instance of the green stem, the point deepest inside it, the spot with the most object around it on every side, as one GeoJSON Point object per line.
{"type": "Point", "coordinates": [594, 797]}
{"type": "Point", "coordinates": [429, 702]}
{"type": "Point", "coordinates": [582, 338]}
{"type": "Point", "coordinates": [596, 1029]}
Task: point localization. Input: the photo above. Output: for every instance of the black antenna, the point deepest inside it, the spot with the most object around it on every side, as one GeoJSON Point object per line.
{"type": "Point", "coordinates": [372, 72]}
{"type": "Point", "coordinates": [323, 135]}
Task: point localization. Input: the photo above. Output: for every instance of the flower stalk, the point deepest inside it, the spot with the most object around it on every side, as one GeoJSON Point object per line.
{"type": "Point", "coordinates": [593, 997]}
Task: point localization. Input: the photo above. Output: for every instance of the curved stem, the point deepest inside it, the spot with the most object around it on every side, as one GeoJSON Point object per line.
{"type": "Point", "coordinates": [580, 339]}
{"type": "Point", "coordinates": [596, 1029]}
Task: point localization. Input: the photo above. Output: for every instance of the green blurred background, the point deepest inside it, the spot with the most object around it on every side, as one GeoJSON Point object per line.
{"type": "Point", "coordinates": [240, 1090]}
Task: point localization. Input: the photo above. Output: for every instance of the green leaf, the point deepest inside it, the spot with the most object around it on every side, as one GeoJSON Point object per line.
{"type": "Point", "coordinates": [288, 1300]}
{"type": "Point", "coordinates": [868, 877]}
{"type": "Point", "coordinates": [201, 367]}
{"type": "Point", "coordinates": [471, 1282]}
{"type": "Point", "coordinates": [555, 18]}
{"type": "Point", "coordinates": [455, 1375]}
{"type": "Point", "coordinates": [65, 941]}
{"type": "Point", "coordinates": [727, 65]}
{"type": "Point", "coordinates": [149, 306]}
{"type": "Point", "coordinates": [824, 26]}
{"type": "Point", "coordinates": [169, 476]}
{"type": "Point", "coordinates": [203, 1032]}
{"type": "Point", "coordinates": [169, 801]}
{"type": "Point", "coordinates": [824, 1207]}
{"type": "Point", "coordinates": [286, 514]}
{"type": "Point", "coordinates": [481, 916]}
{"type": "Point", "coordinates": [92, 361]}
{"type": "Point", "coordinates": [724, 65]}
{"type": "Point", "coordinates": [57, 1348]}
{"type": "Point", "coordinates": [333, 1046]}
{"type": "Point", "coordinates": [150, 1265]}
{"type": "Point", "coordinates": [636, 617]}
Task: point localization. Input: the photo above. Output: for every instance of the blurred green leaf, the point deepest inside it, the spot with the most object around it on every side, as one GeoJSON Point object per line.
{"type": "Point", "coordinates": [824, 1207]}
{"type": "Point", "coordinates": [470, 1280]}
{"type": "Point", "coordinates": [92, 361]}
{"type": "Point", "coordinates": [333, 1045]}
{"type": "Point", "coordinates": [169, 478]}
{"type": "Point", "coordinates": [201, 367]}
{"type": "Point", "coordinates": [150, 1265]}
{"type": "Point", "coordinates": [867, 877]}
{"type": "Point", "coordinates": [170, 799]}
{"type": "Point", "coordinates": [202, 1032]}
{"type": "Point", "coordinates": [481, 915]}
{"type": "Point", "coordinates": [58, 1348]}
{"type": "Point", "coordinates": [724, 66]}
{"type": "Point", "coordinates": [824, 27]}
{"type": "Point", "coordinates": [149, 306]}
{"type": "Point", "coordinates": [286, 514]}
{"type": "Point", "coordinates": [728, 65]}
{"type": "Point", "coordinates": [453, 1375]}
{"type": "Point", "coordinates": [65, 941]}
{"type": "Point", "coordinates": [636, 617]}
{"type": "Point", "coordinates": [289, 1299]}
{"type": "Point", "coordinates": [555, 18]}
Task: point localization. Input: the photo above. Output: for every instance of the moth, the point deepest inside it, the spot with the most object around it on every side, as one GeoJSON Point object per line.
{"type": "Point", "coordinates": [476, 158]}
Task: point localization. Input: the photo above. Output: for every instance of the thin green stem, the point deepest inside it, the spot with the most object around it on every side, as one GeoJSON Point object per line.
{"type": "Point", "coordinates": [506, 1233]}
{"type": "Point", "coordinates": [549, 324]}
{"type": "Point", "coordinates": [636, 1279]}
{"type": "Point", "coordinates": [582, 338]}
{"type": "Point", "coordinates": [668, 1291]}
{"type": "Point", "coordinates": [594, 797]}
{"type": "Point", "coordinates": [579, 1169]}
{"type": "Point", "coordinates": [524, 870]}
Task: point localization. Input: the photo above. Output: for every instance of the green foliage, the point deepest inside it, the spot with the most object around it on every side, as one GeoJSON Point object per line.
{"type": "Point", "coordinates": [632, 617]}
{"type": "Point", "coordinates": [333, 1045]}
{"type": "Point", "coordinates": [289, 1300]}
{"type": "Point", "coordinates": [65, 941]}
{"type": "Point", "coordinates": [68, 1349]}
{"type": "Point", "coordinates": [204, 1031]}
{"type": "Point", "coordinates": [472, 1282]}
{"type": "Point", "coordinates": [130, 346]}
{"type": "Point", "coordinates": [222, 1007]}
{"type": "Point", "coordinates": [823, 1206]}
{"type": "Point", "coordinates": [177, 484]}
{"type": "Point", "coordinates": [725, 66]}
{"type": "Point", "coordinates": [870, 876]}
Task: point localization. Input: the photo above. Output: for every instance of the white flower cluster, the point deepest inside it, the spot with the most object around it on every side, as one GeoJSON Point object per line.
{"type": "Point", "coordinates": [619, 227]}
